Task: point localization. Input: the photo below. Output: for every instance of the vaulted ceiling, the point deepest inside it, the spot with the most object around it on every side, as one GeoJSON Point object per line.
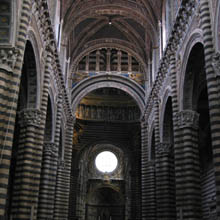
{"type": "Point", "coordinates": [128, 25]}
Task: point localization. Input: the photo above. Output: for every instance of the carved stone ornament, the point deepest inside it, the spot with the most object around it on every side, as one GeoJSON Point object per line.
{"type": "Point", "coordinates": [143, 122]}
{"type": "Point", "coordinates": [178, 63]}
{"type": "Point", "coordinates": [187, 118]}
{"type": "Point", "coordinates": [216, 63]}
{"type": "Point", "coordinates": [164, 148]}
{"type": "Point", "coordinates": [8, 58]}
{"type": "Point", "coordinates": [61, 164]}
{"type": "Point", "coordinates": [30, 117]}
{"type": "Point", "coordinates": [150, 163]}
{"type": "Point", "coordinates": [212, 208]}
{"type": "Point", "coordinates": [110, 113]}
{"type": "Point", "coordinates": [71, 119]}
{"type": "Point", "coordinates": [213, 216]}
{"type": "Point", "coordinates": [50, 148]}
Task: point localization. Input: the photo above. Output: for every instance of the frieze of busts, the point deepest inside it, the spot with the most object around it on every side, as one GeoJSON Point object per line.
{"type": "Point", "coordinates": [30, 117]}
{"type": "Point", "coordinates": [108, 113]}
{"type": "Point", "coordinates": [8, 58]}
{"type": "Point", "coordinates": [187, 118]}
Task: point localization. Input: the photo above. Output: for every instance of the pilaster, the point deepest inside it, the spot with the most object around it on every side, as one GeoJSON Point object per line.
{"type": "Point", "coordinates": [97, 68]}
{"type": "Point", "coordinates": [108, 65]}
{"type": "Point", "coordinates": [119, 60]}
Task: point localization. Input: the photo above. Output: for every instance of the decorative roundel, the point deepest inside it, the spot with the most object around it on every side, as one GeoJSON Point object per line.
{"type": "Point", "coordinates": [106, 162]}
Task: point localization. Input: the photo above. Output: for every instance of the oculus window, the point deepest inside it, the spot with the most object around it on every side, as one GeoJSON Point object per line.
{"type": "Point", "coordinates": [106, 162]}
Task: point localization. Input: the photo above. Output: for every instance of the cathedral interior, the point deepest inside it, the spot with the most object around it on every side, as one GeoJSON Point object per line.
{"type": "Point", "coordinates": [109, 110]}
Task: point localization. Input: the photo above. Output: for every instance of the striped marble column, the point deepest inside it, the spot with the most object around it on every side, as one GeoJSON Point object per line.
{"type": "Point", "coordinates": [148, 178]}
{"type": "Point", "coordinates": [48, 181]}
{"type": "Point", "coordinates": [160, 203]}
{"type": "Point", "coordinates": [144, 160]}
{"type": "Point", "coordinates": [73, 191]}
{"type": "Point", "coordinates": [57, 142]}
{"type": "Point", "coordinates": [213, 91]}
{"type": "Point", "coordinates": [176, 132]}
{"type": "Point", "coordinates": [188, 192]}
{"type": "Point", "coordinates": [49, 158]}
{"type": "Point", "coordinates": [58, 119]}
{"type": "Point", "coordinates": [29, 161]}
{"type": "Point", "coordinates": [133, 192]}
{"type": "Point", "coordinates": [165, 182]}
{"type": "Point", "coordinates": [28, 165]}
{"type": "Point", "coordinates": [187, 171]}
{"type": "Point", "coordinates": [63, 176]}
{"type": "Point", "coordinates": [49, 171]}
{"type": "Point", "coordinates": [151, 190]}
{"type": "Point", "coordinates": [11, 62]}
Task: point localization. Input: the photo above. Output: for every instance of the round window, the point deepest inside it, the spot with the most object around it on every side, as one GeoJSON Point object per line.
{"type": "Point", "coordinates": [106, 162]}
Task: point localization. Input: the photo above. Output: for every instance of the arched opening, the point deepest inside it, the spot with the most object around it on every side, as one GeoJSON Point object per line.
{"type": "Point", "coordinates": [196, 99]}
{"type": "Point", "coordinates": [60, 148]}
{"type": "Point", "coordinates": [208, 190]}
{"type": "Point", "coordinates": [168, 123]}
{"type": "Point", "coordinates": [108, 116]}
{"type": "Point", "coordinates": [167, 154]}
{"type": "Point", "coordinates": [152, 148]}
{"type": "Point", "coordinates": [49, 122]}
{"type": "Point", "coordinates": [105, 204]}
{"type": "Point", "coordinates": [27, 99]}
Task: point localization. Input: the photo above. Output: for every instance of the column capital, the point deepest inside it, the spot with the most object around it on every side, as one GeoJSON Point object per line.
{"type": "Point", "coordinates": [8, 58]}
{"type": "Point", "coordinates": [30, 117]}
{"type": "Point", "coordinates": [61, 164]}
{"type": "Point", "coordinates": [164, 148]}
{"type": "Point", "coordinates": [50, 148]}
{"type": "Point", "coordinates": [71, 120]}
{"type": "Point", "coordinates": [187, 118]}
{"type": "Point", "coordinates": [150, 163]}
{"type": "Point", "coordinates": [143, 122]}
